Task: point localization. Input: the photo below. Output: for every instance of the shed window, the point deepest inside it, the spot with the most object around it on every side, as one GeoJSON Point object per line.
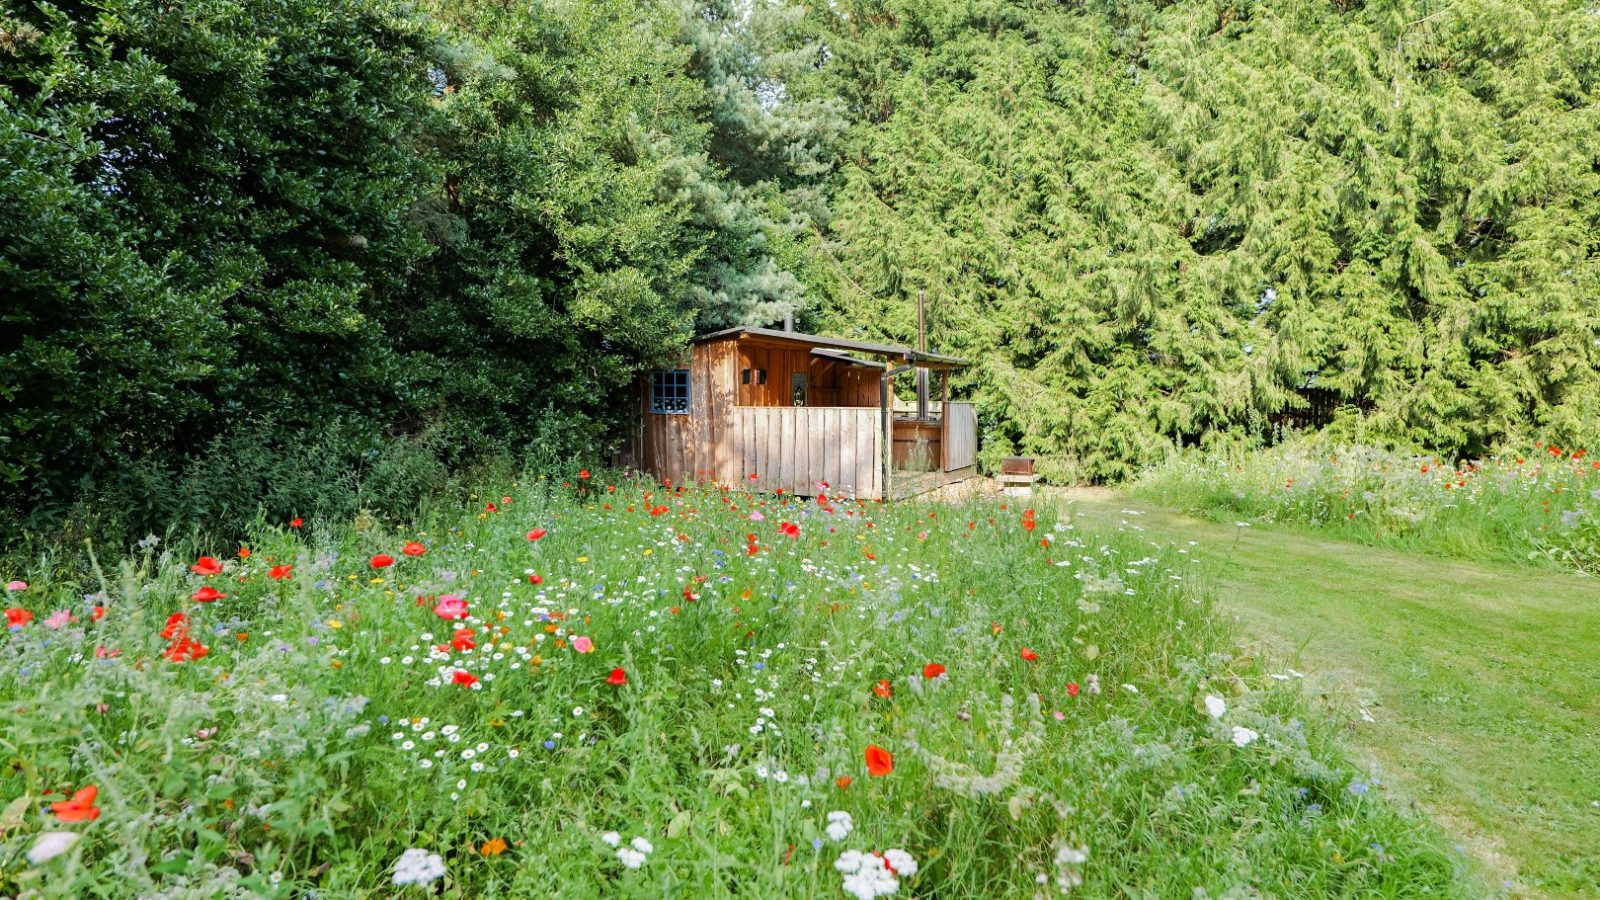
{"type": "Point", "coordinates": [669, 392]}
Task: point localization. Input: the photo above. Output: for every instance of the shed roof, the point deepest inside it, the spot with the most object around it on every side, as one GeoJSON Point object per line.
{"type": "Point", "coordinates": [899, 351]}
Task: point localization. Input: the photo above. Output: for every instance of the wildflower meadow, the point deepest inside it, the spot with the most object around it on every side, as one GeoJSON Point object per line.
{"type": "Point", "coordinates": [599, 687]}
{"type": "Point", "coordinates": [1541, 505]}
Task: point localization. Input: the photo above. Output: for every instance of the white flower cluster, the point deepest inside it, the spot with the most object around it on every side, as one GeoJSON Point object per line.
{"type": "Point", "coordinates": [1241, 736]}
{"type": "Point", "coordinates": [417, 866]}
{"type": "Point", "coordinates": [839, 825]}
{"type": "Point", "coordinates": [867, 875]}
{"type": "Point", "coordinates": [50, 845]}
{"type": "Point", "coordinates": [1216, 706]}
{"type": "Point", "coordinates": [635, 854]}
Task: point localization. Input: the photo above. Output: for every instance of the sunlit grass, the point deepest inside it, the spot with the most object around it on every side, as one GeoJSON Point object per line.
{"type": "Point", "coordinates": [1542, 507]}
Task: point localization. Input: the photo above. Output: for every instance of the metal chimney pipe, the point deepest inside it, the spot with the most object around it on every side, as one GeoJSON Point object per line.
{"type": "Point", "coordinates": [788, 322]}
{"type": "Point", "coordinates": [922, 347]}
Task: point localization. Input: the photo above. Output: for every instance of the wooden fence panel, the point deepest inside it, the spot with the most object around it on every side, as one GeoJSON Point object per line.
{"type": "Point", "coordinates": [960, 436]}
{"type": "Point", "coordinates": [792, 448]}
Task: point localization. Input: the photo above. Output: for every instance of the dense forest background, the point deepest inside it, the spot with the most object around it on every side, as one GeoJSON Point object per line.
{"type": "Point", "coordinates": [295, 258]}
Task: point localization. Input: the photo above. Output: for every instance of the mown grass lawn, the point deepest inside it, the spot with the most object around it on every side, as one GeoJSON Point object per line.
{"type": "Point", "coordinates": [1480, 678]}
{"type": "Point", "coordinates": [620, 690]}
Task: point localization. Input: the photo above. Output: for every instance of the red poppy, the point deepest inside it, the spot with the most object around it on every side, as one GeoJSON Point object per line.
{"type": "Point", "coordinates": [17, 617]}
{"type": "Point", "coordinates": [1072, 689]}
{"type": "Point", "coordinates": [880, 762]}
{"type": "Point", "coordinates": [207, 594]}
{"type": "Point", "coordinates": [617, 677]}
{"type": "Point", "coordinates": [536, 579]}
{"type": "Point", "coordinates": [882, 689]}
{"type": "Point", "coordinates": [207, 565]}
{"type": "Point", "coordinates": [296, 522]}
{"type": "Point", "coordinates": [279, 573]}
{"type": "Point", "coordinates": [382, 561]}
{"type": "Point", "coordinates": [464, 678]}
{"type": "Point", "coordinates": [462, 640]}
{"type": "Point", "coordinates": [491, 507]}
{"type": "Point", "coordinates": [659, 510]}
{"type": "Point", "coordinates": [184, 649]}
{"type": "Point", "coordinates": [584, 474]}
{"type": "Point", "coordinates": [177, 623]}
{"type": "Point", "coordinates": [789, 529]}
{"type": "Point", "coordinates": [536, 534]}
{"type": "Point", "coordinates": [80, 808]}
{"type": "Point", "coordinates": [97, 614]}
{"type": "Point", "coordinates": [932, 671]}
{"type": "Point", "coordinates": [843, 781]}
{"type": "Point", "coordinates": [1027, 524]}
{"type": "Point", "coordinates": [414, 548]}
{"type": "Point", "coordinates": [1029, 655]}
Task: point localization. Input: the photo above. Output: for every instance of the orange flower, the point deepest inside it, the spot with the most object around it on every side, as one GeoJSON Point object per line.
{"type": "Point", "coordinates": [843, 781]}
{"type": "Point", "coordinates": [493, 847]}
{"type": "Point", "coordinates": [244, 552]}
{"type": "Point", "coordinates": [932, 671]}
{"type": "Point", "coordinates": [80, 808]}
{"type": "Point", "coordinates": [414, 548]}
{"type": "Point", "coordinates": [882, 689]}
{"type": "Point", "coordinates": [1029, 655]}
{"type": "Point", "coordinates": [279, 573]}
{"type": "Point", "coordinates": [880, 762]}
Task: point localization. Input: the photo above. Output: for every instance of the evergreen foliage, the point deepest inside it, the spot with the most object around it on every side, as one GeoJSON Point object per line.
{"type": "Point", "coordinates": [1166, 224]}
{"type": "Point", "coordinates": [265, 253]}
{"type": "Point", "coordinates": [326, 242]}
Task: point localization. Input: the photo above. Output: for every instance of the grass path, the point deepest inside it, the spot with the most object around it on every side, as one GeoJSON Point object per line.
{"type": "Point", "coordinates": [1483, 681]}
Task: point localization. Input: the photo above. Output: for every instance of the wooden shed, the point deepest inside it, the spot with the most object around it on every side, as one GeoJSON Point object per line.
{"type": "Point", "coordinates": [783, 410]}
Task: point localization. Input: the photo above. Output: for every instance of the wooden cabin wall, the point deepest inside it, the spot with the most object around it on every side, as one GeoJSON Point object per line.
{"type": "Point", "coordinates": [780, 361]}
{"type": "Point", "coordinates": [686, 448]}
{"type": "Point", "coordinates": [830, 382]}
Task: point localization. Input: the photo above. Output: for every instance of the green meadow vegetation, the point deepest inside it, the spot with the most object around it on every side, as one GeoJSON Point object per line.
{"type": "Point", "coordinates": [1476, 673]}
{"type": "Point", "coordinates": [585, 690]}
{"type": "Point", "coordinates": [1540, 508]}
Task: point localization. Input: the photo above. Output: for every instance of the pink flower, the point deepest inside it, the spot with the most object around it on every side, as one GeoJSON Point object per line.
{"type": "Point", "coordinates": [451, 607]}
{"type": "Point", "coordinates": [58, 618]}
{"type": "Point", "coordinates": [757, 516]}
{"type": "Point", "coordinates": [16, 586]}
{"type": "Point", "coordinates": [582, 644]}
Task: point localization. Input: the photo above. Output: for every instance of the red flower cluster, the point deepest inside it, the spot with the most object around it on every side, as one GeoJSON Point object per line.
{"type": "Point", "coordinates": [183, 648]}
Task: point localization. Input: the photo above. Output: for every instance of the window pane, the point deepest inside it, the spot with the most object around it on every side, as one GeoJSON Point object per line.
{"type": "Point", "coordinates": [669, 392]}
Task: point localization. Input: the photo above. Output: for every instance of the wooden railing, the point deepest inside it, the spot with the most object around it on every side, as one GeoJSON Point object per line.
{"type": "Point", "coordinates": [960, 438]}
{"type": "Point", "coordinates": [794, 448]}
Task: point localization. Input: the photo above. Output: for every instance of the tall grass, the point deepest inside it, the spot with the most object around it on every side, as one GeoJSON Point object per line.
{"type": "Point", "coordinates": [1095, 730]}
{"type": "Point", "coordinates": [1541, 508]}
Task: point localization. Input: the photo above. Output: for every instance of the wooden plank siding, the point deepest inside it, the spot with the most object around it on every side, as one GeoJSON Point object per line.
{"type": "Point", "coordinates": [733, 429]}
{"type": "Point", "coordinates": [960, 438]}
{"type": "Point", "coordinates": [792, 448]}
